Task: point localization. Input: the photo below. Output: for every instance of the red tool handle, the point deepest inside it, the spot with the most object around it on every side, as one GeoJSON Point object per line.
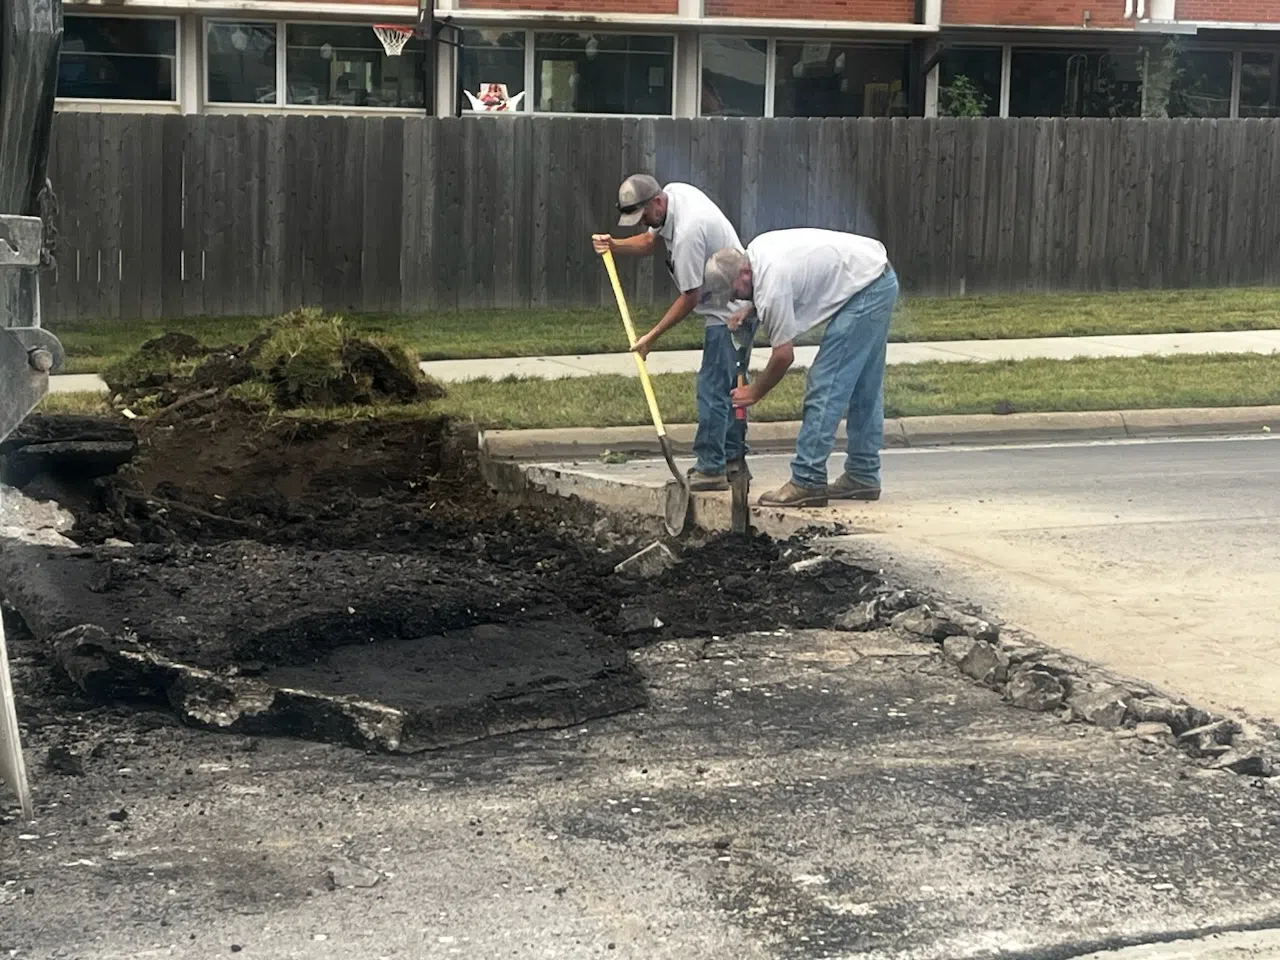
{"type": "Point", "coordinates": [741, 412]}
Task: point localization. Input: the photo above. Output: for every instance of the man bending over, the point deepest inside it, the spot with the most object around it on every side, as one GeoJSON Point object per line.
{"type": "Point", "coordinates": [795, 280]}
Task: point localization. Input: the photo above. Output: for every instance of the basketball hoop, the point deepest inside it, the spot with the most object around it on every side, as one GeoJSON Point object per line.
{"type": "Point", "coordinates": [393, 36]}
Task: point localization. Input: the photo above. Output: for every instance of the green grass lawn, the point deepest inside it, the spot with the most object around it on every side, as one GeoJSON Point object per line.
{"type": "Point", "coordinates": [519, 333]}
{"type": "Point", "coordinates": [910, 391]}
{"type": "Point", "coordinates": [913, 390]}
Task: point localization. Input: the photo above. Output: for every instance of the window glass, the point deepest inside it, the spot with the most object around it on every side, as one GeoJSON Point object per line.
{"type": "Point", "coordinates": [733, 76]}
{"type": "Point", "coordinates": [1057, 82]}
{"type": "Point", "coordinates": [824, 79]}
{"type": "Point", "coordinates": [969, 82]}
{"type": "Point", "coordinates": [603, 73]}
{"type": "Point", "coordinates": [241, 60]}
{"type": "Point", "coordinates": [1260, 84]}
{"type": "Point", "coordinates": [118, 58]}
{"type": "Point", "coordinates": [1201, 84]}
{"type": "Point", "coordinates": [345, 66]}
{"type": "Point", "coordinates": [492, 67]}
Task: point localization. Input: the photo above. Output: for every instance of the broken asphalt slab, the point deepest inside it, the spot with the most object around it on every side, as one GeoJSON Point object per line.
{"type": "Point", "coordinates": [795, 795]}
{"type": "Point", "coordinates": [394, 653]}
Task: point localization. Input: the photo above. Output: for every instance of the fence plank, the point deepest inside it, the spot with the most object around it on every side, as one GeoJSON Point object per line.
{"type": "Point", "coordinates": [943, 198]}
{"type": "Point", "coordinates": [412, 214]}
{"type": "Point", "coordinates": [1269, 200]}
{"type": "Point", "coordinates": [274, 201]}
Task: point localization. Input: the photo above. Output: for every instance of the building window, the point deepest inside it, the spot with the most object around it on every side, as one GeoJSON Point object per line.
{"type": "Point", "coordinates": [345, 66]}
{"type": "Point", "coordinates": [734, 72]}
{"type": "Point", "coordinates": [492, 71]}
{"type": "Point", "coordinates": [1260, 84]}
{"type": "Point", "coordinates": [241, 61]}
{"type": "Point", "coordinates": [822, 79]}
{"type": "Point", "coordinates": [603, 73]}
{"type": "Point", "coordinates": [118, 58]}
{"type": "Point", "coordinates": [1201, 84]}
{"type": "Point", "coordinates": [1047, 82]}
{"type": "Point", "coordinates": [969, 82]}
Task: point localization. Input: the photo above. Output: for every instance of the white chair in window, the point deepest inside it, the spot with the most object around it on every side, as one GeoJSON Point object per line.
{"type": "Point", "coordinates": [493, 98]}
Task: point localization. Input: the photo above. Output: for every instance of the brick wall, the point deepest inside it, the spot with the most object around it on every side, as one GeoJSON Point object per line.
{"type": "Point", "coordinates": [1046, 13]}
{"type": "Point", "coordinates": [1235, 11]}
{"type": "Point", "coordinates": [578, 6]}
{"type": "Point", "coordinates": [875, 11]}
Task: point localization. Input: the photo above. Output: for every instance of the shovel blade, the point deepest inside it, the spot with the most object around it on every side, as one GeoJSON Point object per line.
{"type": "Point", "coordinates": [675, 507]}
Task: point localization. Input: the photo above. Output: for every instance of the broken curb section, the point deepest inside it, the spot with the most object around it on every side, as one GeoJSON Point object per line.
{"type": "Point", "coordinates": [779, 436]}
{"type": "Point", "coordinates": [1034, 677]}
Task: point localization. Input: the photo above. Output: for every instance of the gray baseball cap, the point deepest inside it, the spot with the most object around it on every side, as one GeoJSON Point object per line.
{"type": "Point", "coordinates": [719, 274]}
{"type": "Point", "coordinates": [637, 190]}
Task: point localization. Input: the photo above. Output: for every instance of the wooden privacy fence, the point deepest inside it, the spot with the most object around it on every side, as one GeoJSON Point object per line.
{"type": "Point", "coordinates": [169, 216]}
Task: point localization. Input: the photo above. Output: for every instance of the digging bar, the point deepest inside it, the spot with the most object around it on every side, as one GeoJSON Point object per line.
{"type": "Point", "coordinates": [676, 492]}
{"type": "Point", "coordinates": [740, 485]}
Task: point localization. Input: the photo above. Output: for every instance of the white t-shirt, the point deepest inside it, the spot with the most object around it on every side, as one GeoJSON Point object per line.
{"type": "Point", "coordinates": [695, 228]}
{"type": "Point", "coordinates": [801, 277]}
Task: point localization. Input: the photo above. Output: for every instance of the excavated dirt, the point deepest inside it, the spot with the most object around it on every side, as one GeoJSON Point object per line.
{"type": "Point", "coordinates": [240, 556]}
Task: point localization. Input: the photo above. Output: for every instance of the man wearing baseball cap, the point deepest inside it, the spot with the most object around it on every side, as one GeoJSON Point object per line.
{"type": "Point", "coordinates": [691, 228]}
{"type": "Point", "coordinates": [796, 280]}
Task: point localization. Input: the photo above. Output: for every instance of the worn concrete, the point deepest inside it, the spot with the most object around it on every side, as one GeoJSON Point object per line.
{"type": "Point", "coordinates": [786, 797]}
{"type": "Point", "coordinates": [77, 383]}
{"type": "Point", "coordinates": [589, 443]}
{"type": "Point", "coordinates": [1159, 559]}
{"type": "Point", "coordinates": [946, 351]}
{"type": "Point", "coordinates": [1242, 945]}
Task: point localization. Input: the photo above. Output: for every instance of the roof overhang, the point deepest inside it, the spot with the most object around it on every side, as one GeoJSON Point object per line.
{"type": "Point", "coordinates": [407, 13]}
{"type": "Point", "coordinates": [738, 25]}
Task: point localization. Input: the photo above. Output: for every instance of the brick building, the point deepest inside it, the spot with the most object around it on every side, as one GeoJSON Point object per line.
{"type": "Point", "coordinates": [684, 58]}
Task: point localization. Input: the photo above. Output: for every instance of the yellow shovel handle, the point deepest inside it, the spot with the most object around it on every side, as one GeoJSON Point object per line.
{"type": "Point", "coordinates": [607, 256]}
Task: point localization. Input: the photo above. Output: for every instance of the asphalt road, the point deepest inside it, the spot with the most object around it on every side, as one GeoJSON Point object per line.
{"type": "Point", "coordinates": [1160, 559]}
{"type": "Point", "coordinates": [792, 796]}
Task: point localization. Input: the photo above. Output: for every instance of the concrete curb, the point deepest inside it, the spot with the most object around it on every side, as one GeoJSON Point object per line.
{"type": "Point", "coordinates": [577, 443]}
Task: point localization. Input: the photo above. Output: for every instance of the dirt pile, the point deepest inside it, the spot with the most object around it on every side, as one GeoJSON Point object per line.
{"type": "Point", "coordinates": [303, 359]}
{"type": "Point", "coordinates": [354, 578]}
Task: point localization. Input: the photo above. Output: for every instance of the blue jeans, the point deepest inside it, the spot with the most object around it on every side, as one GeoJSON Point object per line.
{"type": "Point", "coordinates": [721, 436]}
{"type": "Point", "coordinates": [847, 380]}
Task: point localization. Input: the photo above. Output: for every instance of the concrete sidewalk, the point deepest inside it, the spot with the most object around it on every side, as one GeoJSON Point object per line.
{"type": "Point", "coordinates": [946, 351]}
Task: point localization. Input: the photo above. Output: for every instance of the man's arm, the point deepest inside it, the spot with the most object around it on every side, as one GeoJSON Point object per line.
{"type": "Point", "coordinates": [680, 308]}
{"type": "Point", "coordinates": [639, 245]}
{"type": "Point", "coordinates": [780, 361]}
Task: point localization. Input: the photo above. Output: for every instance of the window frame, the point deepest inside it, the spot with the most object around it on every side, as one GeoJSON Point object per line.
{"type": "Point", "coordinates": [282, 73]}
{"type": "Point", "coordinates": [531, 70]}
{"type": "Point", "coordinates": [770, 68]}
{"type": "Point", "coordinates": [205, 99]}
{"type": "Point", "coordinates": [1002, 95]}
{"type": "Point", "coordinates": [843, 40]}
{"type": "Point", "coordinates": [177, 58]}
{"type": "Point", "coordinates": [1272, 49]}
{"type": "Point", "coordinates": [1236, 48]}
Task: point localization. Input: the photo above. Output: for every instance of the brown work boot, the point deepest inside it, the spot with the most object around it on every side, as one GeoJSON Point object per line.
{"type": "Point", "coordinates": [791, 494]}
{"type": "Point", "coordinates": [851, 488]}
{"type": "Point", "coordinates": [706, 481]}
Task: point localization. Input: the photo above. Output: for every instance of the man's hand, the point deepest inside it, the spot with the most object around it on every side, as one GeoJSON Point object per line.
{"type": "Point", "coordinates": [644, 345]}
{"type": "Point", "coordinates": [602, 242]}
{"type": "Point", "coordinates": [745, 396]}
{"type": "Point", "coordinates": [738, 317]}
